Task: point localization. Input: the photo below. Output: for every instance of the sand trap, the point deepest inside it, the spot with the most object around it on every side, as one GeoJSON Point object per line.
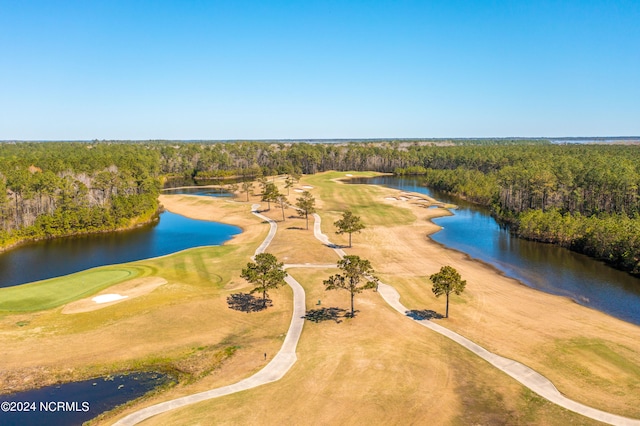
{"type": "Point", "coordinates": [349, 174]}
{"type": "Point", "coordinates": [391, 198]}
{"type": "Point", "coordinates": [298, 190]}
{"type": "Point", "coordinates": [308, 187]}
{"type": "Point", "coordinates": [106, 298]}
{"type": "Point", "coordinates": [115, 294]}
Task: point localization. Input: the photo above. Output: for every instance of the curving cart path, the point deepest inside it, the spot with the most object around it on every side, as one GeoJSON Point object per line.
{"type": "Point", "coordinates": [273, 371]}
{"type": "Point", "coordinates": [286, 357]}
{"type": "Point", "coordinates": [523, 374]}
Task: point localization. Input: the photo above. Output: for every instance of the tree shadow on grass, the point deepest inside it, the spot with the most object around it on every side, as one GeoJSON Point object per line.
{"type": "Point", "coordinates": [424, 314]}
{"type": "Point", "coordinates": [246, 302]}
{"type": "Point", "coordinates": [325, 314]}
{"type": "Point", "coordinates": [336, 246]}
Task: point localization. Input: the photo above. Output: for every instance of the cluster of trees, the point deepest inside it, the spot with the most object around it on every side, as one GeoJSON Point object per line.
{"type": "Point", "coordinates": [614, 238]}
{"type": "Point", "coordinates": [586, 198]}
{"type": "Point", "coordinates": [56, 189]}
{"type": "Point", "coordinates": [254, 159]}
{"type": "Point", "coordinates": [356, 275]}
{"type": "Point", "coordinates": [51, 189]}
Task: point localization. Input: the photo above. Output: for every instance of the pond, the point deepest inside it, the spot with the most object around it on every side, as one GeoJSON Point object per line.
{"type": "Point", "coordinates": [75, 403]}
{"type": "Point", "coordinates": [52, 258]}
{"type": "Point", "coordinates": [62, 256]}
{"type": "Point", "coordinates": [205, 191]}
{"type": "Point", "coordinates": [545, 267]}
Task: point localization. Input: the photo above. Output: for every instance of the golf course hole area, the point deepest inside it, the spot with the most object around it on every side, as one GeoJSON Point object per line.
{"type": "Point", "coordinates": [115, 294]}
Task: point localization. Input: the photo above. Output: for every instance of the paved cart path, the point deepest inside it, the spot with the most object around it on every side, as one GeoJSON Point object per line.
{"type": "Point", "coordinates": [286, 357]}
{"type": "Point", "coordinates": [273, 371]}
{"type": "Point", "coordinates": [525, 375]}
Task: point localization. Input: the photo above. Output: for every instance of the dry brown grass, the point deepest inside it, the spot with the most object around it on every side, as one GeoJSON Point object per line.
{"type": "Point", "coordinates": [378, 368]}
{"type": "Point", "coordinates": [158, 327]}
{"type": "Point", "coordinates": [515, 321]}
{"type": "Point", "coordinates": [128, 289]}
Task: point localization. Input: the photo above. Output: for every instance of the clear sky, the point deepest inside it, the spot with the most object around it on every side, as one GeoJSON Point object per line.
{"type": "Point", "coordinates": [318, 69]}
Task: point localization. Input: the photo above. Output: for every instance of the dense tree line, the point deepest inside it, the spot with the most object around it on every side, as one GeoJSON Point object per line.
{"type": "Point", "coordinates": [210, 160]}
{"type": "Point", "coordinates": [585, 198]}
{"type": "Point", "coordinates": [56, 189]}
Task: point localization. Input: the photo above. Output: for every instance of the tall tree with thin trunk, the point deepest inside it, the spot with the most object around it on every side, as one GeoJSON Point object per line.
{"type": "Point", "coordinates": [349, 224]}
{"type": "Point", "coordinates": [266, 274]}
{"type": "Point", "coordinates": [281, 199]}
{"type": "Point", "coordinates": [447, 281]}
{"type": "Point", "coordinates": [270, 193]}
{"type": "Point", "coordinates": [306, 205]}
{"type": "Point", "coordinates": [288, 183]}
{"type": "Point", "coordinates": [357, 276]}
{"type": "Point", "coordinates": [246, 187]}
{"type": "Point", "coordinates": [262, 180]}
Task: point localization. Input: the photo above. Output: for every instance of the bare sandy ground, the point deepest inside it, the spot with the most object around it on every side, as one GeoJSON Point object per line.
{"type": "Point", "coordinates": [126, 290]}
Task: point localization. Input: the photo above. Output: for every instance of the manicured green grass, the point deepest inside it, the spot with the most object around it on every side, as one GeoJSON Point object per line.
{"type": "Point", "coordinates": [55, 292]}
{"type": "Point", "coordinates": [196, 266]}
{"type": "Point", "coordinates": [362, 200]}
{"type": "Point", "coordinates": [200, 266]}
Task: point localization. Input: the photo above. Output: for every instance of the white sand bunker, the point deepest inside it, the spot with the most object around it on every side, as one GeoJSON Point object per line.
{"type": "Point", "coordinates": [106, 298]}
{"type": "Point", "coordinates": [298, 190]}
{"type": "Point", "coordinates": [348, 175]}
{"type": "Point", "coordinates": [307, 187]}
{"type": "Point", "coordinates": [115, 294]}
{"type": "Point", "coordinates": [391, 198]}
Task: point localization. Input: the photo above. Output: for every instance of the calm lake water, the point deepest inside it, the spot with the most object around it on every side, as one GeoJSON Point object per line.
{"type": "Point", "coordinates": [62, 256]}
{"type": "Point", "coordinates": [87, 399]}
{"type": "Point", "coordinates": [545, 267]}
{"type": "Point", "coordinates": [197, 190]}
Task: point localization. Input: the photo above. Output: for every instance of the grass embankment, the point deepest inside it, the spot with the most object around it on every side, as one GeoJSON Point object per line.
{"type": "Point", "coordinates": [183, 326]}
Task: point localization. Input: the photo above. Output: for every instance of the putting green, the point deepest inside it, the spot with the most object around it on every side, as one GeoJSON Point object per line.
{"type": "Point", "coordinates": [58, 291]}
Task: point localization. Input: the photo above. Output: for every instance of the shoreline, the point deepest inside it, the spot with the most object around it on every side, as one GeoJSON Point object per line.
{"type": "Point", "coordinates": [518, 322]}
{"type": "Point", "coordinates": [44, 376]}
{"type": "Point", "coordinates": [496, 266]}
{"type": "Point", "coordinates": [135, 224]}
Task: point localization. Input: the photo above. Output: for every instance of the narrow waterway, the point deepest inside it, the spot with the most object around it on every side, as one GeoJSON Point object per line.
{"type": "Point", "coordinates": [545, 267]}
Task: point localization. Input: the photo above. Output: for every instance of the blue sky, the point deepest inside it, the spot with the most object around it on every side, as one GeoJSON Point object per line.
{"type": "Point", "coordinates": [318, 69]}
